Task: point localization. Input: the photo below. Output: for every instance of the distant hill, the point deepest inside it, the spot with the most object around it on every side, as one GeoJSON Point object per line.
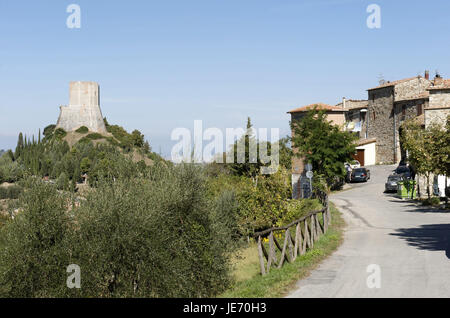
{"type": "Point", "coordinates": [2, 152]}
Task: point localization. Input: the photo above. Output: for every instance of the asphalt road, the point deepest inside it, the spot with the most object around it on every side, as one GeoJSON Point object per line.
{"type": "Point", "coordinates": [392, 248]}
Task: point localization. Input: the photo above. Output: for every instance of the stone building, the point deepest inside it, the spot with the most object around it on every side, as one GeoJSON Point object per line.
{"type": "Point", "coordinates": [439, 102]}
{"type": "Point", "coordinates": [356, 123]}
{"type": "Point", "coordinates": [355, 116]}
{"type": "Point", "coordinates": [83, 110]}
{"type": "Point", "coordinates": [336, 115]}
{"type": "Point", "coordinates": [389, 105]}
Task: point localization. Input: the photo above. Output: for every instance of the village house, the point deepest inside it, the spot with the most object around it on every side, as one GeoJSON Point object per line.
{"type": "Point", "coordinates": [378, 121]}
{"type": "Point", "coordinates": [390, 104]}
{"type": "Point", "coordinates": [439, 102]}
{"type": "Point", "coordinates": [336, 115]}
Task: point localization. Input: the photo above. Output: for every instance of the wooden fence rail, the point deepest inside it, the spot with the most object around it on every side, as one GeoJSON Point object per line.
{"type": "Point", "coordinates": [308, 229]}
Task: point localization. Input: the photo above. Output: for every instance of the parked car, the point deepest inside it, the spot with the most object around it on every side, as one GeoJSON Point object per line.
{"type": "Point", "coordinates": [391, 183]}
{"type": "Point", "coordinates": [360, 175]}
{"type": "Point", "coordinates": [403, 171]}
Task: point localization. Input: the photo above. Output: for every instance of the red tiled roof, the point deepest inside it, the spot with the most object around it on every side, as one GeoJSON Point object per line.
{"type": "Point", "coordinates": [362, 142]}
{"type": "Point", "coordinates": [387, 84]}
{"type": "Point", "coordinates": [320, 106]}
{"type": "Point", "coordinates": [444, 85]}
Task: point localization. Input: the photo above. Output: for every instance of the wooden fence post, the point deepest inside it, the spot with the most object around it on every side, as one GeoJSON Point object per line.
{"type": "Point", "coordinates": [272, 256]}
{"type": "Point", "coordinates": [261, 256]}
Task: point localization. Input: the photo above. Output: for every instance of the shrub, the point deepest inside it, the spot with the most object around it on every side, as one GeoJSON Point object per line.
{"type": "Point", "coordinates": [82, 130]}
{"type": "Point", "coordinates": [94, 136]}
{"type": "Point", "coordinates": [33, 247]}
{"type": "Point", "coordinates": [297, 209]}
{"type": "Point", "coordinates": [431, 201]}
{"type": "Point", "coordinates": [11, 192]}
{"type": "Point", "coordinates": [154, 236]}
{"type": "Point", "coordinates": [63, 181]}
{"type": "Point", "coordinates": [48, 131]}
{"type": "Point", "coordinates": [60, 133]}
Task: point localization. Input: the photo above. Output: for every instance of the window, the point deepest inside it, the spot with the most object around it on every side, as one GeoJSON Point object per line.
{"type": "Point", "coordinates": [419, 109]}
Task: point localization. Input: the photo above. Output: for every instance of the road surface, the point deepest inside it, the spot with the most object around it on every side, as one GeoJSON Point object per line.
{"type": "Point", "coordinates": [394, 247]}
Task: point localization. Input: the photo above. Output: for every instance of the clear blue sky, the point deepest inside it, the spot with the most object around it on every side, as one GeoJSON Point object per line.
{"type": "Point", "coordinates": [164, 64]}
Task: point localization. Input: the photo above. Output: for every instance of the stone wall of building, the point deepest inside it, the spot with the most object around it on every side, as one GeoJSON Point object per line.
{"type": "Point", "coordinates": [83, 110]}
{"type": "Point", "coordinates": [439, 98]}
{"type": "Point", "coordinates": [404, 111]}
{"type": "Point", "coordinates": [411, 89]}
{"type": "Point", "coordinates": [380, 122]}
{"type": "Point", "coordinates": [436, 115]}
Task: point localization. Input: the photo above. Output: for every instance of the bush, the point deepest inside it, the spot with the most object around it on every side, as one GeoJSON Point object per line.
{"type": "Point", "coordinates": [48, 131]}
{"type": "Point", "coordinates": [262, 201]}
{"type": "Point", "coordinates": [155, 236]}
{"type": "Point", "coordinates": [431, 201]}
{"type": "Point", "coordinates": [10, 171]}
{"type": "Point", "coordinates": [82, 130]}
{"type": "Point", "coordinates": [60, 133]}
{"type": "Point", "coordinates": [33, 247]}
{"type": "Point", "coordinates": [11, 192]}
{"type": "Point", "coordinates": [297, 209]}
{"type": "Point", "coordinates": [94, 136]}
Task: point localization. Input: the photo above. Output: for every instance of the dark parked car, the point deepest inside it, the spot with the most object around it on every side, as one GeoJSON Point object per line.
{"type": "Point", "coordinates": [360, 175]}
{"type": "Point", "coordinates": [391, 183]}
{"type": "Point", "coordinates": [403, 171]}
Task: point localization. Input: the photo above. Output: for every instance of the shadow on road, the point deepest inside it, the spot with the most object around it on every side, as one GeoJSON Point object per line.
{"type": "Point", "coordinates": [417, 208]}
{"type": "Point", "coordinates": [432, 237]}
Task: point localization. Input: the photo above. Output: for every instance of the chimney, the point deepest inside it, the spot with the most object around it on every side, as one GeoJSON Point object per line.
{"type": "Point", "coordinates": [437, 80]}
{"type": "Point", "coordinates": [427, 74]}
{"type": "Point", "coordinates": [343, 102]}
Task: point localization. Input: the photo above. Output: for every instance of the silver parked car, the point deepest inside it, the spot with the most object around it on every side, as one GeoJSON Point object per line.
{"type": "Point", "coordinates": [392, 181]}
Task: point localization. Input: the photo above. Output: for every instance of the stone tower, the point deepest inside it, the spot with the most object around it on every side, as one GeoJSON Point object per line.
{"type": "Point", "coordinates": [83, 109]}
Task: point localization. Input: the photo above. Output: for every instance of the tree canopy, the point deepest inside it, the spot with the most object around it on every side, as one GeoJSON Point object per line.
{"type": "Point", "coordinates": [323, 144]}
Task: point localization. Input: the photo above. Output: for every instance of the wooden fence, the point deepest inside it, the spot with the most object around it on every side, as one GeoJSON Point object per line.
{"type": "Point", "coordinates": [308, 229]}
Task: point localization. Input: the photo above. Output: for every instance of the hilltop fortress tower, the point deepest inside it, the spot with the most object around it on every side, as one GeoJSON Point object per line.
{"type": "Point", "coordinates": [83, 109]}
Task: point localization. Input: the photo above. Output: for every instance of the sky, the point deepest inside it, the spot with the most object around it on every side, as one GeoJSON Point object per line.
{"type": "Point", "coordinates": [163, 64]}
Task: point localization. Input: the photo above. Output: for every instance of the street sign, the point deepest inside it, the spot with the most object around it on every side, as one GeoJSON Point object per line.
{"type": "Point", "coordinates": [309, 174]}
{"type": "Point", "coordinates": [308, 167]}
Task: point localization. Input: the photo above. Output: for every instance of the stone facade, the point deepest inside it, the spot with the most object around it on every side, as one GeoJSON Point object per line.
{"type": "Point", "coordinates": [83, 110]}
{"type": "Point", "coordinates": [380, 122]}
{"type": "Point", "coordinates": [436, 115]}
{"type": "Point", "coordinates": [355, 117]}
{"type": "Point", "coordinates": [438, 109]}
{"type": "Point", "coordinates": [389, 106]}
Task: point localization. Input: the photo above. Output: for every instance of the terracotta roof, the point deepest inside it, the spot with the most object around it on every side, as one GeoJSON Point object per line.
{"type": "Point", "coordinates": [444, 85]}
{"type": "Point", "coordinates": [320, 106]}
{"type": "Point", "coordinates": [387, 84]}
{"type": "Point", "coordinates": [362, 142]}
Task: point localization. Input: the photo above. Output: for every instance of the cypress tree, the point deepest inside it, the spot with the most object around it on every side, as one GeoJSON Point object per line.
{"type": "Point", "coordinates": [19, 147]}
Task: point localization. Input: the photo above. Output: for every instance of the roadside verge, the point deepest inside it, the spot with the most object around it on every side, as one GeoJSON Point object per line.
{"type": "Point", "coordinates": [277, 283]}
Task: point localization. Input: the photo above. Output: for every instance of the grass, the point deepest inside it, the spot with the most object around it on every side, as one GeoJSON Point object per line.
{"type": "Point", "coordinates": [250, 284]}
